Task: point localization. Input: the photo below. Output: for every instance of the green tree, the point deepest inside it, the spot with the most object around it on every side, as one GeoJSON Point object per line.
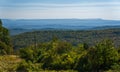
{"type": "Point", "coordinates": [5, 42]}
{"type": "Point", "coordinates": [60, 47]}
{"type": "Point", "coordinates": [100, 57]}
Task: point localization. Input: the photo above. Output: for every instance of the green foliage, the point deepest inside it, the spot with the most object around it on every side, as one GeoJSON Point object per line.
{"type": "Point", "coordinates": [115, 67]}
{"type": "Point", "coordinates": [0, 23]}
{"type": "Point", "coordinates": [61, 47]}
{"type": "Point", "coordinates": [91, 37]}
{"type": "Point", "coordinates": [5, 49]}
{"type": "Point", "coordinates": [53, 55]}
{"type": "Point", "coordinates": [5, 43]}
{"type": "Point", "coordinates": [28, 67]}
{"type": "Point", "coordinates": [108, 53]}
{"type": "Point", "coordinates": [59, 55]}
{"type": "Point", "coordinates": [100, 57]}
{"type": "Point", "coordinates": [30, 54]}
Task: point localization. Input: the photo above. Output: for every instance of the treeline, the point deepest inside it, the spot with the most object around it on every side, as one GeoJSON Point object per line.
{"type": "Point", "coordinates": [61, 55]}
{"type": "Point", "coordinates": [74, 37]}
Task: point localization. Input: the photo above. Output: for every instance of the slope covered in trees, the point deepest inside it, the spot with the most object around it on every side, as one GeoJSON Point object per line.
{"type": "Point", "coordinates": [5, 42]}
{"type": "Point", "coordinates": [72, 36]}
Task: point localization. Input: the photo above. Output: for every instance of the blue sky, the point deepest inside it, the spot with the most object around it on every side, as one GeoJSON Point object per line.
{"type": "Point", "coordinates": [52, 9]}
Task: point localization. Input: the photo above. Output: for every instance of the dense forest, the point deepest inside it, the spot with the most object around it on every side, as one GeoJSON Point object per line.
{"type": "Point", "coordinates": [60, 51]}
{"type": "Point", "coordinates": [73, 36]}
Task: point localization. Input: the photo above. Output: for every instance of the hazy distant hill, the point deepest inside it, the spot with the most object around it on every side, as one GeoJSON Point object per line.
{"type": "Point", "coordinates": [26, 25]}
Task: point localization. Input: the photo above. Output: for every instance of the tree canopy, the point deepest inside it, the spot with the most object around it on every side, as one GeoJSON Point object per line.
{"type": "Point", "coordinates": [5, 42]}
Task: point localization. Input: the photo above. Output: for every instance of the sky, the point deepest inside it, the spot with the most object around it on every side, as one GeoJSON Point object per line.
{"type": "Point", "coordinates": [60, 9]}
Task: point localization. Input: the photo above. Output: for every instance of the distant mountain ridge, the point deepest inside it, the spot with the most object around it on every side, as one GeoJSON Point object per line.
{"type": "Point", "coordinates": [25, 25]}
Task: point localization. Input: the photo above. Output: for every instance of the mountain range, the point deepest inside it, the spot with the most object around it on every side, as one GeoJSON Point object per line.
{"type": "Point", "coordinates": [25, 25]}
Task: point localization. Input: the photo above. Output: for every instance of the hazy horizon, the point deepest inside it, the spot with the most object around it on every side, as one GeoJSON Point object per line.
{"type": "Point", "coordinates": [59, 19]}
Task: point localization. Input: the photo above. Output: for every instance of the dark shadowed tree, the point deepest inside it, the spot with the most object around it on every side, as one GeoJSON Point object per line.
{"type": "Point", "coordinates": [5, 42]}
{"type": "Point", "coordinates": [100, 57]}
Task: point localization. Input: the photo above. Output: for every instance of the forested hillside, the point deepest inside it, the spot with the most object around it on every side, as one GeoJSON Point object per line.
{"type": "Point", "coordinates": [60, 51]}
{"type": "Point", "coordinates": [73, 36]}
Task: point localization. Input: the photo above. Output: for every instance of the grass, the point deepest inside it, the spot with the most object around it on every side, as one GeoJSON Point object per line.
{"type": "Point", "coordinates": [8, 63]}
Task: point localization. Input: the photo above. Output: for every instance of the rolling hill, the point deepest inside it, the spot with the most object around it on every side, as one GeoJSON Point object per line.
{"type": "Point", "coordinates": [75, 37]}
{"type": "Point", "coordinates": [27, 25]}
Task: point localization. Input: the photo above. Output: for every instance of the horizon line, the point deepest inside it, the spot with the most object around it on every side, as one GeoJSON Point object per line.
{"type": "Point", "coordinates": [56, 19]}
